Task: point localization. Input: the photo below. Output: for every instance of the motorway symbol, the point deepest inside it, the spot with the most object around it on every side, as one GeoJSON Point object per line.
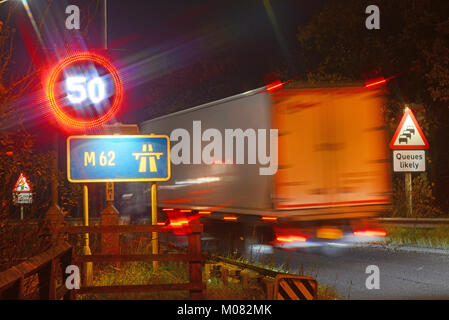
{"type": "Point", "coordinates": [147, 151]}
{"type": "Point", "coordinates": [409, 135]}
{"type": "Point", "coordinates": [22, 185]}
{"type": "Point", "coordinates": [289, 287]}
{"type": "Point", "coordinates": [116, 158]}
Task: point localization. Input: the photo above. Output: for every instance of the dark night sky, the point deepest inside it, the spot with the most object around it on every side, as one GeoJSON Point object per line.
{"type": "Point", "coordinates": [187, 36]}
{"type": "Point", "coordinates": [240, 29]}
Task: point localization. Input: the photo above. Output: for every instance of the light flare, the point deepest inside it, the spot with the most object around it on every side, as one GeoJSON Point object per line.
{"type": "Point", "coordinates": [56, 72]}
{"type": "Point", "coordinates": [370, 233]}
{"type": "Point", "coordinates": [291, 238]}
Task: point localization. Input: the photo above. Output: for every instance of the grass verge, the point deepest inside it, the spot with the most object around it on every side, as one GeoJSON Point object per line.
{"type": "Point", "coordinates": [421, 237]}
{"type": "Point", "coordinates": [169, 272]}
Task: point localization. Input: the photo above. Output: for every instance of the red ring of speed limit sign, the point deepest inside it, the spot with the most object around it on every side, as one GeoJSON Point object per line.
{"type": "Point", "coordinates": [71, 60]}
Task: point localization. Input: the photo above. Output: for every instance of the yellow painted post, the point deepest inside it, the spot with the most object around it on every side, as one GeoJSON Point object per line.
{"type": "Point", "coordinates": [88, 268]}
{"type": "Point", "coordinates": [154, 236]}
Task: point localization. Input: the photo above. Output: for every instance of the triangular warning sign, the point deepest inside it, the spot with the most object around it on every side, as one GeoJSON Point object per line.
{"type": "Point", "coordinates": [409, 135]}
{"type": "Point", "coordinates": [22, 185]}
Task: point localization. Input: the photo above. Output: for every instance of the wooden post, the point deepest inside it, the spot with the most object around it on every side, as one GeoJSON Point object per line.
{"type": "Point", "coordinates": [269, 289]}
{"type": "Point", "coordinates": [110, 217]}
{"type": "Point", "coordinates": [47, 281]}
{"type": "Point", "coordinates": [15, 292]}
{"type": "Point", "coordinates": [195, 268]}
{"type": "Point", "coordinates": [154, 235]}
{"type": "Point", "coordinates": [224, 276]}
{"type": "Point", "coordinates": [408, 194]}
{"type": "Point", "coordinates": [52, 284]}
{"type": "Point", "coordinates": [244, 279]}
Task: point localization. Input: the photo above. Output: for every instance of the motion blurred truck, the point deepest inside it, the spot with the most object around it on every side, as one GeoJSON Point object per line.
{"type": "Point", "coordinates": [315, 166]}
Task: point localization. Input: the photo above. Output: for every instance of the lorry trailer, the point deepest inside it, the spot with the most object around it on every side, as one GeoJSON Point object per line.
{"type": "Point", "coordinates": [314, 159]}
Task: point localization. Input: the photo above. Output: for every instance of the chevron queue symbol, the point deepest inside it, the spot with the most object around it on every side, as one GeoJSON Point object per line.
{"type": "Point", "coordinates": [409, 135]}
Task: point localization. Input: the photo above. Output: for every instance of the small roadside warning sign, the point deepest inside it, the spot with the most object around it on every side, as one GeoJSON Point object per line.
{"type": "Point", "coordinates": [22, 185]}
{"type": "Point", "coordinates": [409, 135]}
{"type": "Point", "coordinates": [22, 193]}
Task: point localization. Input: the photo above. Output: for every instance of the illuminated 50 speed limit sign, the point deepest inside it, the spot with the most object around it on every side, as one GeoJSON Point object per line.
{"type": "Point", "coordinates": [84, 90]}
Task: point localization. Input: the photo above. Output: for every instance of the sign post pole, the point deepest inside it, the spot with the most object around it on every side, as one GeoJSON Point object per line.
{"type": "Point", "coordinates": [88, 270]}
{"type": "Point", "coordinates": [154, 236]}
{"type": "Point", "coordinates": [21, 212]}
{"type": "Point", "coordinates": [408, 188]}
{"type": "Point", "coordinates": [408, 193]}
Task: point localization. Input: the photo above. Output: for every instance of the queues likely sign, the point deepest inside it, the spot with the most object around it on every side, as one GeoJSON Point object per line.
{"type": "Point", "coordinates": [409, 161]}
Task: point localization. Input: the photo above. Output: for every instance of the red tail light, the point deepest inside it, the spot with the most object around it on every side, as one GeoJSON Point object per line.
{"type": "Point", "coordinates": [204, 213]}
{"type": "Point", "coordinates": [370, 233]}
{"type": "Point", "coordinates": [291, 238]}
{"type": "Point", "coordinates": [230, 218]}
{"type": "Point", "coordinates": [277, 85]}
{"type": "Point", "coordinates": [375, 82]}
{"type": "Point", "coordinates": [178, 222]}
{"type": "Point", "coordinates": [271, 219]}
{"type": "Point", "coordinates": [179, 226]}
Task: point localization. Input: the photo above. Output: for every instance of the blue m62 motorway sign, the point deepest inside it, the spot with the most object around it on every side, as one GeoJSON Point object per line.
{"type": "Point", "coordinates": [117, 158]}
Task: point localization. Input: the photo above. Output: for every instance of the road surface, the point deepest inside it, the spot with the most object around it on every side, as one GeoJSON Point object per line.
{"type": "Point", "coordinates": [403, 274]}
